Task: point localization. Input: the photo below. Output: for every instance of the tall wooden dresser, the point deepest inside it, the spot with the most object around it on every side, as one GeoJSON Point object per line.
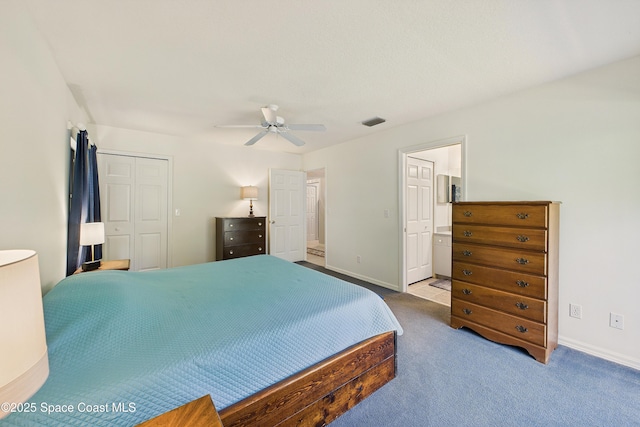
{"type": "Point", "coordinates": [505, 273]}
{"type": "Point", "coordinates": [240, 237]}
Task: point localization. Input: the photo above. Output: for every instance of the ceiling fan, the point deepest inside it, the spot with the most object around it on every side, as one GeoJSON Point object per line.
{"type": "Point", "coordinates": [273, 123]}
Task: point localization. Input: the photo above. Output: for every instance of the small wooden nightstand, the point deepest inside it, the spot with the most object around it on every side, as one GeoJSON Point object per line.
{"type": "Point", "coordinates": [198, 413]}
{"type": "Point", "coordinates": [116, 264]}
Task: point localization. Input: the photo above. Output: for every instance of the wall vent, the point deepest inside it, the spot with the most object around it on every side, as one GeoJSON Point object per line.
{"type": "Point", "coordinates": [374, 121]}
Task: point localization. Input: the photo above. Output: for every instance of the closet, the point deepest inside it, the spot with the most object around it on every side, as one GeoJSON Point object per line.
{"type": "Point", "coordinates": [134, 197]}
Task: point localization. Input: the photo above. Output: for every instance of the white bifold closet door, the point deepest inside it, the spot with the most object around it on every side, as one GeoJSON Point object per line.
{"type": "Point", "coordinates": [134, 205]}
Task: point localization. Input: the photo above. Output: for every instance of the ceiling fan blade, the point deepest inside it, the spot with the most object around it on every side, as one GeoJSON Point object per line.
{"type": "Point", "coordinates": [317, 127]}
{"type": "Point", "coordinates": [257, 137]}
{"type": "Point", "coordinates": [241, 126]}
{"type": "Point", "coordinates": [292, 138]}
{"type": "Point", "coordinates": [269, 114]}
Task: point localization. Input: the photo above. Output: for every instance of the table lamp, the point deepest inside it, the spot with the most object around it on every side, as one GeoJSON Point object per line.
{"type": "Point", "coordinates": [91, 234]}
{"type": "Point", "coordinates": [249, 193]}
{"type": "Point", "coordinates": [24, 362]}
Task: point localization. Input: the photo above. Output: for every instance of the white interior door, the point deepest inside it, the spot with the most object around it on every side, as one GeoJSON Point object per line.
{"type": "Point", "coordinates": [134, 202]}
{"type": "Point", "coordinates": [151, 214]}
{"type": "Point", "coordinates": [419, 219]}
{"type": "Point", "coordinates": [287, 200]}
{"type": "Point", "coordinates": [117, 188]}
{"type": "Point", "coordinates": [312, 211]}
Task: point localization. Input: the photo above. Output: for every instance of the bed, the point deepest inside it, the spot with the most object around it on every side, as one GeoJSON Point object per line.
{"type": "Point", "coordinates": [270, 341]}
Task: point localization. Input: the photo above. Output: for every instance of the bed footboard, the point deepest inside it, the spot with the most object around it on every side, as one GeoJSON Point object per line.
{"type": "Point", "coordinates": [323, 392]}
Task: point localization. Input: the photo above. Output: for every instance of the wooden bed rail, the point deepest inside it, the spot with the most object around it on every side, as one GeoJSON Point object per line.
{"type": "Point", "coordinates": [321, 393]}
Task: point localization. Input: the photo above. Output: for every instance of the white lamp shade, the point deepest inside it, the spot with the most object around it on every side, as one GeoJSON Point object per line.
{"type": "Point", "coordinates": [249, 193]}
{"type": "Point", "coordinates": [91, 233]}
{"type": "Point", "coordinates": [24, 363]}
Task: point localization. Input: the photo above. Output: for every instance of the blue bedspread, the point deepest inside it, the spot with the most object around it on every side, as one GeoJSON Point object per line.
{"type": "Point", "coordinates": [127, 346]}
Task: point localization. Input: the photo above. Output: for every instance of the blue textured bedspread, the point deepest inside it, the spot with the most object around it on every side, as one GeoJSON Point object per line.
{"type": "Point", "coordinates": [127, 346]}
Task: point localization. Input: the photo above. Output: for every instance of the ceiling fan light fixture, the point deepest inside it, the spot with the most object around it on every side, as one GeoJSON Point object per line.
{"type": "Point", "coordinates": [373, 121]}
{"type": "Point", "coordinates": [276, 124]}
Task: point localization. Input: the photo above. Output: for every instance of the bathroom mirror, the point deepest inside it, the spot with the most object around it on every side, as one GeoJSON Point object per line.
{"type": "Point", "coordinates": [449, 188]}
{"type": "Point", "coordinates": [442, 183]}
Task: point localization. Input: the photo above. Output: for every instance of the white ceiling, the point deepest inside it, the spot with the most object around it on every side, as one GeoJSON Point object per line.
{"type": "Point", "coordinates": [184, 66]}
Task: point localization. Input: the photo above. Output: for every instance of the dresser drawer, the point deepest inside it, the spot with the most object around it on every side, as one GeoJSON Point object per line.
{"type": "Point", "coordinates": [534, 239]}
{"type": "Point", "coordinates": [510, 259]}
{"type": "Point", "coordinates": [243, 250]}
{"type": "Point", "coordinates": [232, 238]}
{"type": "Point", "coordinates": [515, 326]}
{"type": "Point", "coordinates": [519, 215]}
{"type": "Point", "coordinates": [510, 281]}
{"type": "Point", "coordinates": [232, 224]}
{"type": "Point", "coordinates": [517, 305]}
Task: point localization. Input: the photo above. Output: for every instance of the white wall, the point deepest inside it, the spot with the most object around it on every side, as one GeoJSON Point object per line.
{"type": "Point", "coordinates": [35, 106]}
{"type": "Point", "coordinates": [576, 141]}
{"type": "Point", "coordinates": [207, 177]}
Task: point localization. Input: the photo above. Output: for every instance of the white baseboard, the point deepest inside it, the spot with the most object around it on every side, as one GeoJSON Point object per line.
{"type": "Point", "coordinates": [574, 344]}
{"type": "Point", "coordinates": [600, 352]}
{"type": "Point", "coordinates": [365, 278]}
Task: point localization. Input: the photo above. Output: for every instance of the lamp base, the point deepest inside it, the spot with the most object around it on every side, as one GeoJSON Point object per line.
{"type": "Point", "coordinates": [90, 265]}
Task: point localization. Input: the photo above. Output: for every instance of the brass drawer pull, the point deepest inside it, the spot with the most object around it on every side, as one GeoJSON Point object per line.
{"type": "Point", "coordinates": [467, 213]}
{"type": "Point", "coordinates": [260, 224]}
{"type": "Point", "coordinates": [522, 238]}
{"type": "Point", "coordinates": [230, 252]}
{"type": "Point", "coordinates": [466, 291]}
{"type": "Point", "coordinates": [260, 249]}
{"type": "Point", "coordinates": [467, 311]}
{"type": "Point", "coordinates": [522, 283]}
{"type": "Point", "coordinates": [466, 253]}
{"type": "Point", "coordinates": [467, 233]}
{"type": "Point", "coordinates": [467, 272]}
{"type": "Point", "coordinates": [522, 261]}
{"type": "Point", "coordinates": [522, 215]}
{"type": "Point", "coordinates": [522, 306]}
{"type": "Point", "coordinates": [521, 328]}
{"type": "Point", "coordinates": [230, 238]}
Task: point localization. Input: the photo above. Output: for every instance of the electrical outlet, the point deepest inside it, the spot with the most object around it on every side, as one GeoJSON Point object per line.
{"type": "Point", "coordinates": [358, 259]}
{"type": "Point", "coordinates": [616, 320]}
{"type": "Point", "coordinates": [575, 310]}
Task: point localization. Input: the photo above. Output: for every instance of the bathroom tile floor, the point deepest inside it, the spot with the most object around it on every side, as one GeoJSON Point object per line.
{"type": "Point", "coordinates": [423, 290]}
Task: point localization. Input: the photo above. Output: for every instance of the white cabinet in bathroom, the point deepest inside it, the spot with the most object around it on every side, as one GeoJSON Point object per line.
{"type": "Point", "coordinates": [442, 254]}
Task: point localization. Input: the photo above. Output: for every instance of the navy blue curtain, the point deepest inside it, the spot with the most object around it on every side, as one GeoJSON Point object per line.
{"type": "Point", "coordinates": [84, 200]}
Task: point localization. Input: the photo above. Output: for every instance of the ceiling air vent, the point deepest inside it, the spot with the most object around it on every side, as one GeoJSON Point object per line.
{"type": "Point", "coordinates": [374, 121]}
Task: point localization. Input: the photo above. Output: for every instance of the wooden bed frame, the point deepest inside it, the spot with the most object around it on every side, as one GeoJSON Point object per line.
{"type": "Point", "coordinates": [321, 393]}
{"type": "Point", "coordinates": [313, 397]}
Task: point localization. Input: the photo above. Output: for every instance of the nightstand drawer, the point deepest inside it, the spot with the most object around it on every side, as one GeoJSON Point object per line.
{"type": "Point", "coordinates": [243, 250]}
{"type": "Point", "coordinates": [517, 305]}
{"type": "Point", "coordinates": [509, 281]}
{"type": "Point", "coordinates": [519, 215]}
{"type": "Point", "coordinates": [510, 259]}
{"type": "Point", "coordinates": [232, 238]}
{"type": "Point", "coordinates": [534, 239]}
{"type": "Point", "coordinates": [518, 327]}
{"type": "Point", "coordinates": [233, 224]}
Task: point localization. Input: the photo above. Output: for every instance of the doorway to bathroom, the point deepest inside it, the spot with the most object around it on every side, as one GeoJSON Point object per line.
{"type": "Point", "coordinates": [316, 242]}
{"type": "Point", "coordinates": [444, 161]}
